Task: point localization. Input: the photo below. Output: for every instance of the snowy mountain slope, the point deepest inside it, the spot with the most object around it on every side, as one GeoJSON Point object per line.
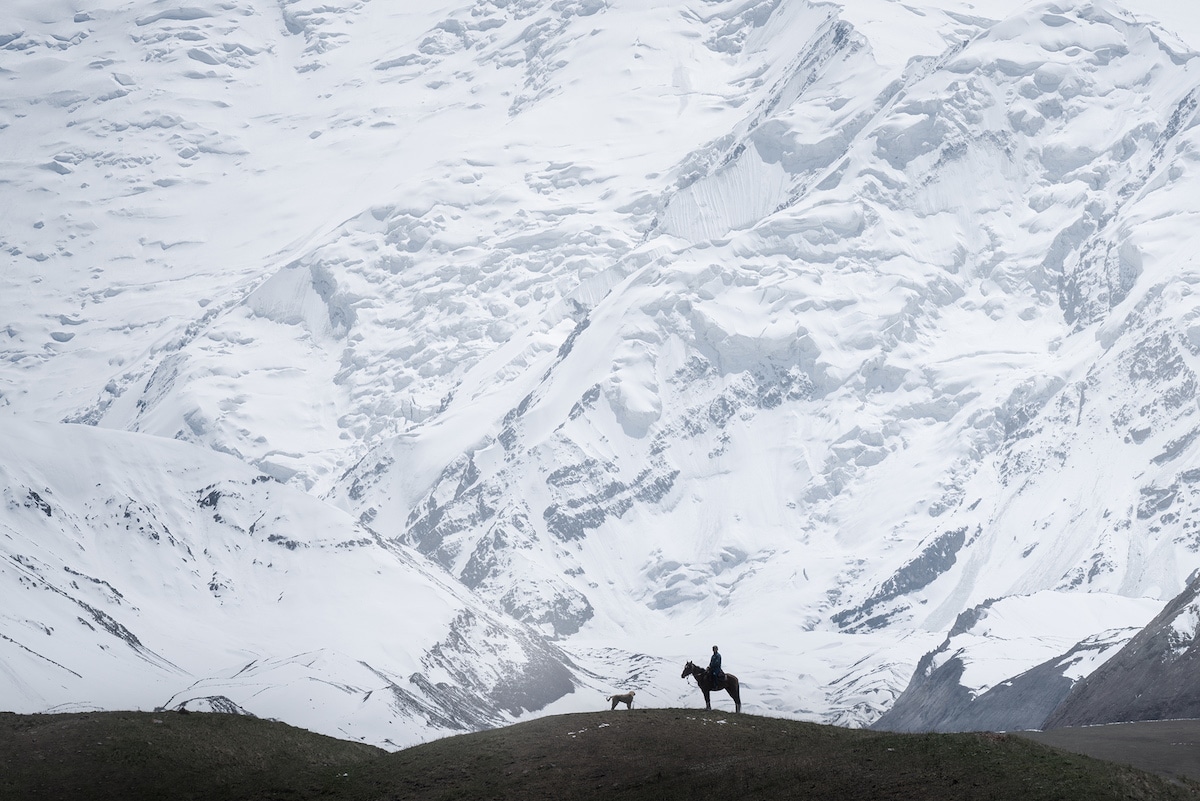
{"type": "Point", "coordinates": [480, 217]}
{"type": "Point", "coordinates": [872, 388]}
{"type": "Point", "coordinates": [140, 572]}
{"type": "Point", "coordinates": [795, 327]}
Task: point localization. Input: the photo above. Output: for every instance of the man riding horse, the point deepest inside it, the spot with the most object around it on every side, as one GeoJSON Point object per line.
{"type": "Point", "coordinates": [707, 679]}
{"type": "Point", "coordinates": [715, 673]}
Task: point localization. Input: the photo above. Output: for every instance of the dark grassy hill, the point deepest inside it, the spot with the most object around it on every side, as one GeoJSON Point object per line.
{"type": "Point", "coordinates": [640, 754]}
{"type": "Point", "coordinates": [166, 755]}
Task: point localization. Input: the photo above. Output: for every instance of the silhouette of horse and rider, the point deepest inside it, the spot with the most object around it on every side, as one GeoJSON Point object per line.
{"type": "Point", "coordinates": [713, 678]}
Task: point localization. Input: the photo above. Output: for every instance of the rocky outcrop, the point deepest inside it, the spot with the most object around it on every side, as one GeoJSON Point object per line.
{"type": "Point", "coordinates": [1152, 678]}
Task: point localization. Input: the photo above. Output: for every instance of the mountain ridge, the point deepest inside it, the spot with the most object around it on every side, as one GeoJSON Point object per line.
{"type": "Point", "coordinates": [622, 326]}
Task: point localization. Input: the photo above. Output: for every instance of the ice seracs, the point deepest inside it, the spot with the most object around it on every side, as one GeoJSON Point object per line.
{"type": "Point", "coordinates": [604, 332]}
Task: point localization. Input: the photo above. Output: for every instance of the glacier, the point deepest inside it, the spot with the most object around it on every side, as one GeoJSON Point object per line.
{"type": "Point", "coordinates": [395, 371]}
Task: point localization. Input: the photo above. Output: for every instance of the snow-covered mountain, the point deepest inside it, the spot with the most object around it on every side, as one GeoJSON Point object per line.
{"type": "Point", "coordinates": [140, 572]}
{"type": "Point", "coordinates": [561, 340]}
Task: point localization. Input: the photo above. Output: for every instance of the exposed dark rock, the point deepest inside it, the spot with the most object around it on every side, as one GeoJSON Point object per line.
{"type": "Point", "coordinates": [37, 501]}
{"type": "Point", "coordinates": [588, 497]}
{"type": "Point", "coordinates": [565, 348]}
{"type": "Point", "coordinates": [207, 703]}
{"type": "Point", "coordinates": [1176, 447]}
{"type": "Point", "coordinates": [1152, 678]}
{"type": "Point", "coordinates": [935, 559]}
{"type": "Point", "coordinates": [458, 502]}
{"type": "Point", "coordinates": [565, 613]}
{"type": "Point", "coordinates": [524, 682]}
{"type": "Point", "coordinates": [1155, 500]}
{"type": "Point", "coordinates": [935, 700]}
{"type": "Point", "coordinates": [586, 403]}
{"type": "Point", "coordinates": [365, 479]}
{"type": "Point", "coordinates": [286, 542]}
{"type": "Point", "coordinates": [931, 699]}
{"type": "Point", "coordinates": [113, 593]}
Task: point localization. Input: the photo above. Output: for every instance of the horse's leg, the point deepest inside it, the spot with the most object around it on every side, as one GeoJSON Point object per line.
{"type": "Point", "coordinates": [735, 692]}
{"type": "Point", "coordinates": [707, 702]}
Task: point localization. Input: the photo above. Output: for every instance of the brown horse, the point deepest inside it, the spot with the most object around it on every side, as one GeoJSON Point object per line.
{"type": "Point", "coordinates": [706, 685]}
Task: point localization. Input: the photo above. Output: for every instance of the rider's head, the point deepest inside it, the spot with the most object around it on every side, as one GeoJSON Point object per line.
{"type": "Point", "coordinates": [714, 649]}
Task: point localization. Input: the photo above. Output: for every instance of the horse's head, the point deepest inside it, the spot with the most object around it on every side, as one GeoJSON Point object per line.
{"type": "Point", "coordinates": [687, 670]}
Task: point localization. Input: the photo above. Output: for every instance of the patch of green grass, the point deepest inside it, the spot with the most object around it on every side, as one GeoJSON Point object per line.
{"type": "Point", "coordinates": [659, 754]}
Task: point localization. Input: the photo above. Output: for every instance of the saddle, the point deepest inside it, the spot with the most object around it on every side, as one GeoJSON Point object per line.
{"type": "Point", "coordinates": [717, 681]}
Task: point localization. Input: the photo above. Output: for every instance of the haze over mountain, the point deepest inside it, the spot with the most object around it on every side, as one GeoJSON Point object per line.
{"type": "Point", "coordinates": [397, 369]}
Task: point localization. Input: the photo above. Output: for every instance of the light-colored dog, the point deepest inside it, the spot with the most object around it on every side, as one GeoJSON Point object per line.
{"type": "Point", "coordinates": [622, 698]}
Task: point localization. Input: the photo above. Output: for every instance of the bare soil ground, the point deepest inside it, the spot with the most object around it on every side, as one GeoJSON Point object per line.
{"type": "Point", "coordinates": [1170, 748]}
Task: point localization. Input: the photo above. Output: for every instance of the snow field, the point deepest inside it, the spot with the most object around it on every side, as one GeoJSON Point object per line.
{"type": "Point", "coordinates": [797, 328]}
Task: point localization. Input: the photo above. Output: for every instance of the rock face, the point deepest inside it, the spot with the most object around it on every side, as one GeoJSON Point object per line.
{"type": "Point", "coordinates": [1152, 678]}
{"type": "Point", "coordinates": [1122, 675]}
{"type": "Point", "coordinates": [970, 683]}
{"type": "Point", "coordinates": [942, 704]}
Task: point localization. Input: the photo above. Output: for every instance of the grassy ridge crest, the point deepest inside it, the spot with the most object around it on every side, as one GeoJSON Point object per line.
{"type": "Point", "coordinates": [638, 754]}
